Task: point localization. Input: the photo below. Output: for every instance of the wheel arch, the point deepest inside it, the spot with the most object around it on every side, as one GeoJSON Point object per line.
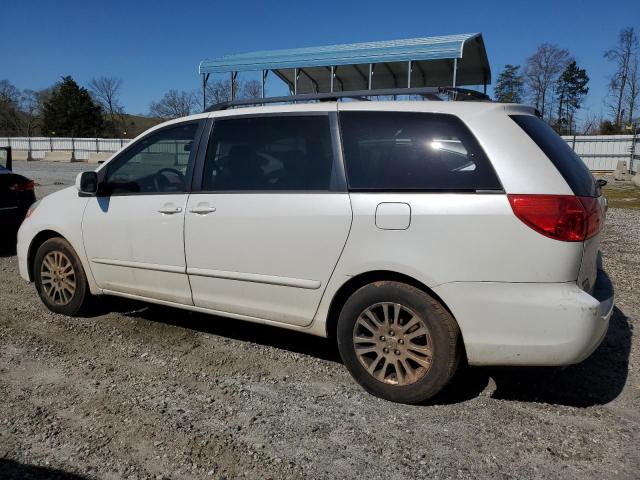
{"type": "Point", "coordinates": [35, 244]}
{"type": "Point", "coordinates": [365, 278]}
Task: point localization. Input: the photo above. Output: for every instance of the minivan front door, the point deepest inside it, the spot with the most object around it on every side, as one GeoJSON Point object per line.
{"type": "Point", "coordinates": [134, 230]}
{"type": "Point", "coordinates": [269, 224]}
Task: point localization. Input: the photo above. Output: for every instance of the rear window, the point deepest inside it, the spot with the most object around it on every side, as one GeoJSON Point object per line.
{"type": "Point", "coordinates": [413, 151]}
{"type": "Point", "coordinates": [570, 165]}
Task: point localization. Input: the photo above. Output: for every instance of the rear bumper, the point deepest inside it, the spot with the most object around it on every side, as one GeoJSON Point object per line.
{"type": "Point", "coordinates": [545, 324]}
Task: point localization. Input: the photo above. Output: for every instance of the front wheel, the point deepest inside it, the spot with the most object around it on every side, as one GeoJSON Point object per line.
{"type": "Point", "coordinates": [398, 342]}
{"type": "Point", "coordinates": [60, 279]}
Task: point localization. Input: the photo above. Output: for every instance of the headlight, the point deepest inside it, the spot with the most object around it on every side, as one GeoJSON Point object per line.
{"type": "Point", "coordinates": [32, 209]}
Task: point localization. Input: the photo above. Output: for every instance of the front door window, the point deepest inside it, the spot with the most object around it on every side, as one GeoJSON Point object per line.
{"type": "Point", "coordinates": [157, 163]}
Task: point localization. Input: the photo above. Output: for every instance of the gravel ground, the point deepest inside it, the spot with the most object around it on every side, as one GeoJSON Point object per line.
{"type": "Point", "coordinates": [151, 392]}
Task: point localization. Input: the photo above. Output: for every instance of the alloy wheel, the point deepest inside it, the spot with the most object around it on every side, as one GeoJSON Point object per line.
{"type": "Point", "coordinates": [393, 343]}
{"type": "Point", "coordinates": [58, 278]}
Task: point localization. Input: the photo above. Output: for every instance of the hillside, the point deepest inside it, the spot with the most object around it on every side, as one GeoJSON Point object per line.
{"type": "Point", "coordinates": [136, 124]}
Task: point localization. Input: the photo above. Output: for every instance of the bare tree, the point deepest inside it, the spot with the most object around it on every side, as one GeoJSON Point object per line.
{"type": "Point", "coordinates": [174, 104]}
{"type": "Point", "coordinates": [591, 124]}
{"type": "Point", "coordinates": [622, 56]}
{"type": "Point", "coordinates": [252, 89]}
{"type": "Point", "coordinates": [106, 91]}
{"type": "Point", "coordinates": [219, 91]}
{"type": "Point", "coordinates": [31, 108]}
{"type": "Point", "coordinates": [633, 90]}
{"type": "Point", "coordinates": [541, 72]}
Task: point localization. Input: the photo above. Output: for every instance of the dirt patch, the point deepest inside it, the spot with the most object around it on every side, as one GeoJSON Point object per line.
{"type": "Point", "coordinates": [622, 195]}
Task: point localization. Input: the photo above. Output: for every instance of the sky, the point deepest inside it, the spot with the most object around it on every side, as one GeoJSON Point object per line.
{"type": "Point", "coordinates": [154, 46]}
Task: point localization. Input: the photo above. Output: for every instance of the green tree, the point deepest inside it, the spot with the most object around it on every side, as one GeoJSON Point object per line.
{"type": "Point", "coordinates": [70, 112]}
{"type": "Point", "coordinates": [510, 85]}
{"type": "Point", "coordinates": [607, 127]}
{"type": "Point", "coordinates": [571, 88]}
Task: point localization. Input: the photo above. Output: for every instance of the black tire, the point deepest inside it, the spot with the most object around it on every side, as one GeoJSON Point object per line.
{"type": "Point", "coordinates": [71, 304]}
{"type": "Point", "coordinates": [441, 340]}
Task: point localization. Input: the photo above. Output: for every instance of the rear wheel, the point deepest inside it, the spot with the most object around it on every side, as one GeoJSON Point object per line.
{"type": "Point", "coordinates": [60, 279]}
{"type": "Point", "coordinates": [398, 342]}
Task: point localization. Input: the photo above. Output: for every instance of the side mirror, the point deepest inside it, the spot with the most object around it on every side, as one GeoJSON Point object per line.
{"type": "Point", "coordinates": [87, 184]}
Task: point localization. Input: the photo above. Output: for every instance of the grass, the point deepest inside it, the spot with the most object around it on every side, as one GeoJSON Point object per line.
{"type": "Point", "coordinates": [622, 195]}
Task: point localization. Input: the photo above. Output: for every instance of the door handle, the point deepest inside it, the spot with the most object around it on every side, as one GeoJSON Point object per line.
{"type": "Point", "coordinates": [170, 210]}
{"type": "Point", "coordinates": [203, 210]}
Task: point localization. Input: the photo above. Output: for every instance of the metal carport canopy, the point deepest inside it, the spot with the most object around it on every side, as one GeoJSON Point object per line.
{"type": "Point", "coordinates": [451, 60]}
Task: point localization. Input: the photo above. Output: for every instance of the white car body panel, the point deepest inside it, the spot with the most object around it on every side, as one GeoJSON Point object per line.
{"type": "Point", "coordinates": [134, 248]}
{"type": "Point", "coordinates": [526, 323]}
{"type": "Point", "coordinates": [484, 241]}
{"type": "Point", "coordinates": [266, 255]}
{"type": "Point", "coordinates": [60, 212]}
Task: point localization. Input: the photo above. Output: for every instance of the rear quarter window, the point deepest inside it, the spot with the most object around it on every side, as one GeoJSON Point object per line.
{"type": "Point", "coordinates": [413, 151]}
{"type": "Point", "coordinates": [571, 167]}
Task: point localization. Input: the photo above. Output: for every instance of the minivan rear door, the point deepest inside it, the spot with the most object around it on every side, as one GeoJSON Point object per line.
{"type": "Point", "coordinates": [272, 215]}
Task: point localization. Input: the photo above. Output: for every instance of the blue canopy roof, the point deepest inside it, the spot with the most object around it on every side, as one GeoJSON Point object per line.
{"type": "Point", "coordinates": [432, 63]}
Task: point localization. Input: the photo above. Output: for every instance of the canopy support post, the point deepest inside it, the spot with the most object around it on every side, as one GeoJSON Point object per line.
{"type": "Point", "coordinates": [234, 75]}
{"type": "Point", "coordinates": [332, 75]}
{"type": "Point", "coordinates": [370, 76]}
{"type": "Point", "coordinates": [264, 81]}
{"type": "Point", "coordinates": [455, 71]}
{"type": "Point", "coordinates": [409, 74]}
{"type": "Point", "coordinates": [295, 81]}
{"type": "Point", "coordinates": [205, 79]}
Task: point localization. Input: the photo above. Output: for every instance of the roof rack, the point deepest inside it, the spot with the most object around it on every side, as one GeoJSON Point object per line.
{"type": "Point", "coordinates": [428, 93]}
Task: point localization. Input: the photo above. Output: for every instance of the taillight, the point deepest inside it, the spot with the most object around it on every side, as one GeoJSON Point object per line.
{"type": "Point", "coordinates": [561, 217]}
{"type": "Point", "coordinates": [23, 187]}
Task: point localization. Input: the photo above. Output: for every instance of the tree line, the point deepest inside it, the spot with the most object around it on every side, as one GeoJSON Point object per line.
{"type": "Point", "coordinates": [176, 103]}
{"type": "Point", "coordinates": [70, 110]}
{"type": "Point", "coordinates": [552, 82]}
{"type": "Point", "coordinates": [65, 110]}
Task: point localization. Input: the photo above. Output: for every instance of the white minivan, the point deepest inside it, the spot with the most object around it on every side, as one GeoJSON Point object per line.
{"type": "Point", "coordinates": [414, 233]}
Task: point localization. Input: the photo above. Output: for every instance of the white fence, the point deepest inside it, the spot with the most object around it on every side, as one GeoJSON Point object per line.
{"type": "Point", "coordinates": [80, 147]}
{"type": "Point", "coordinates": [599, 152]}
{"type": "Point", "coordinates": [602, 152]}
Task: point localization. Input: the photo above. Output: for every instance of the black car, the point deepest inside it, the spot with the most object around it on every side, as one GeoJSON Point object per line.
{"type": "Point", "coordinates": [16, 196]}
